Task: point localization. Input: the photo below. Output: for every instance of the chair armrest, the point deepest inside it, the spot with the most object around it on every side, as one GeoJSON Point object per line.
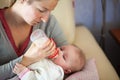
{"type": "Point", "coordinates": [85, 40]}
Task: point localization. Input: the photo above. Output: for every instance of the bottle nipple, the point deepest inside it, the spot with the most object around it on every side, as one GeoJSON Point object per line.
{"type": "Point", "coordinates": [55, 54]}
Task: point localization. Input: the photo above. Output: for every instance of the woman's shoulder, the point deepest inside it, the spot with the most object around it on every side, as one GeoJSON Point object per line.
{"type": "Point", "coordinates": [52, 21]}
{"type": "Point", "coordinates": [52, 18]}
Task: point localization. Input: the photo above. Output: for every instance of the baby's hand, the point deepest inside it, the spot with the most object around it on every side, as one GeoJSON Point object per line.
{"type": "Point", "coordinates": [18, 68]}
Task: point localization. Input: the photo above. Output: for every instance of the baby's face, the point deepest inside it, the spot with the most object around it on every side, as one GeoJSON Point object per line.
{"type": "Point", "coordinates": [65, 57]}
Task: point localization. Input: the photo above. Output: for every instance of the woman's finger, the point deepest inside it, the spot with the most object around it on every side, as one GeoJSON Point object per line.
{"type": "Point", "coordinates": [50, 48]}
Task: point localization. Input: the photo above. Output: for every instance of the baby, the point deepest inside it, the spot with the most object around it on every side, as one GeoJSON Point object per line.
{"type": "Point", "coordinates": [70, 59]}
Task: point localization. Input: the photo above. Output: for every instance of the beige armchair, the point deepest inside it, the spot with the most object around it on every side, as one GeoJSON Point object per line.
{"type": "Point", "coordinates": [80, 36]}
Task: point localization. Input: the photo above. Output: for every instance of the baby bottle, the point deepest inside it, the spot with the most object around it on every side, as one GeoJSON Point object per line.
{"type": "Point", "coordinates": [39, 38]}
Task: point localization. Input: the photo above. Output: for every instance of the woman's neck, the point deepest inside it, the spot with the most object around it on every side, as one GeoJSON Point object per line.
{"type": "Point", "coordinates": [13, 19]}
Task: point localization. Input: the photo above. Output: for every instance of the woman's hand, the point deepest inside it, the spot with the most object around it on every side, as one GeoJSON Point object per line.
{"type": "Point", "coordinates": [35, 53]}
{"type": "Point", "coordinates": [49, 48]}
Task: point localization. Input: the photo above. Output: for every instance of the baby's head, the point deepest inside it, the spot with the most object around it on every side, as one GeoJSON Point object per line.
{"type": "Point", "coordinates": [70, 58]}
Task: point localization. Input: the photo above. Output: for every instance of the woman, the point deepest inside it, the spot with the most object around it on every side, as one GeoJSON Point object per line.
{"type": "Point", "coordinates": [16, 24]}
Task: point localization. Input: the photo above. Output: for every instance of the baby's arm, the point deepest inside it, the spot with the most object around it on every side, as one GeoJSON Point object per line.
{"type": "Point", "coordinates": [25, 73]}
{"type": "Point", "coordinates": [20, 70]}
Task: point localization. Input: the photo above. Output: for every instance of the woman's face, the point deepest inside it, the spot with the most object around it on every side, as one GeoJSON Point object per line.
{"type": "Point", "coordinates": [37, 11]}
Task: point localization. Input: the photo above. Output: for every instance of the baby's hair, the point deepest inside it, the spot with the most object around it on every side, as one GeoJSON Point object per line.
{"type": "Point", "coordinates": [82, 59]}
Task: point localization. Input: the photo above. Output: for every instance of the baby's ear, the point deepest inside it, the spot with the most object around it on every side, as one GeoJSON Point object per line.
{"type": "Point", "coordinates": [67, 71]}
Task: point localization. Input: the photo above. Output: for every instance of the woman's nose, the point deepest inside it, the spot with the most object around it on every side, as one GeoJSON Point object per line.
{"type": "Point", "coordinates": [45, 16]}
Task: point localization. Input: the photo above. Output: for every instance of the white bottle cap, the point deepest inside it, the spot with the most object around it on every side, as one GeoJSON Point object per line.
{"type": "Point", "coordinates": [38, 37]}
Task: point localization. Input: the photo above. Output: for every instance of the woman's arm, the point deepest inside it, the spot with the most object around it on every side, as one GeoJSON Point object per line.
{"type": "Point", "coordinates": [32, 55]}
{"type": "Point", "coordinates": [6, 69]}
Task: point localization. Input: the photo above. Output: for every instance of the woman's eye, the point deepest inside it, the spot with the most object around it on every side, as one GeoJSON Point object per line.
{"type": "Point", "coordinates": [43, 11]}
